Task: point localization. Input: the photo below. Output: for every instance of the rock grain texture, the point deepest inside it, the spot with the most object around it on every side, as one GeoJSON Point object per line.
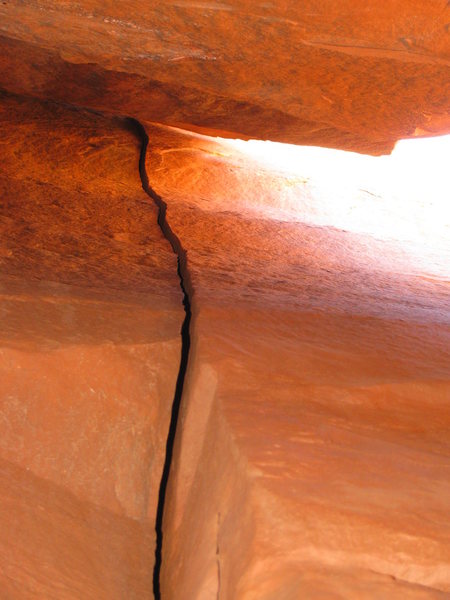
{"type": "Point", "coordinates": [91, 311]}
{"type": "Point", "coordinates": [311, 458]}
{"type": "Point", "coordinates": [356, 74]}
{"type": "Point", "coordinates": [312, 455]}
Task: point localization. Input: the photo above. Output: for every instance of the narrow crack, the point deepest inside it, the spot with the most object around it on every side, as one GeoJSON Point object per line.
{"type": "Point", "coordinates": [185, 285]}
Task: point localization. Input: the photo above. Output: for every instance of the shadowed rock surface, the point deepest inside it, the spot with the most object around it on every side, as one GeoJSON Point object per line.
{"type": "Point", "coordinates": [89, 345]}
{"type": "Point", "coordinates": [355, 75]}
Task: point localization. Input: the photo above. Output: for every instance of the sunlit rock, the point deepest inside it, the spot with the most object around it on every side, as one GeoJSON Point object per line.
{"type": "Point", "coordinates": [312, 450]}
{"type": "Point", "coordinates": [255, 382]}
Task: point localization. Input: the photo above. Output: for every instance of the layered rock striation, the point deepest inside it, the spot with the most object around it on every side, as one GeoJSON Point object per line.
{"type": "Point", "coordinates": [91, 313]}
{"type": "Point", "coordinates": [275, 427]}
{"type": "Point", "coordinates": [312, 450]}
{"type": "Point", "coordinates": [355, 75]}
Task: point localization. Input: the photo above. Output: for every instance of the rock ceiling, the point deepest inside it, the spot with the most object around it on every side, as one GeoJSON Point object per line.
{"type": "Point", "coordinates": [356, 74]}
{"type": "Point", "coordinates": [200, 395]}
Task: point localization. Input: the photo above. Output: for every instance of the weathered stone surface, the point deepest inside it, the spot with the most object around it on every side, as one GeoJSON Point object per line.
{"type": "Point", "coordinates": [312, 453]}
{"type": "Point", "coordinates": [354, 74]}
{"type": "Point", "coordinates": [89, 343]}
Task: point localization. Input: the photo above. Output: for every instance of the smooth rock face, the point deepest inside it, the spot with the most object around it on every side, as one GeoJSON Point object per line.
{"type": "Point", "coordinates": [90, 310]}
{"type": "Point", "coordinates": [356, 74]}
{"type": "Point", "coordinates": [312, 452]}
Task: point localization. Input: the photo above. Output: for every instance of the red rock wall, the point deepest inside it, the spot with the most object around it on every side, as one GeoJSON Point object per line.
{"type": "Point", "coordinates": [312, 450]}
{"type": "Point", "coordinates": [311, 453]}
{"type": "Point", "coordinates": [356, 75]}
{"type": "Point", "coordinates": [89, 343]}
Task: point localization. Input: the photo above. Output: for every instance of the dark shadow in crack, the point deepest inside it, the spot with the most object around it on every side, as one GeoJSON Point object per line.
{"type": "Point", "coordinates": [185, 285]}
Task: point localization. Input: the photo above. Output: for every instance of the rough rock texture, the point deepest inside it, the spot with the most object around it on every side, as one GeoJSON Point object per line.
{"type": "Point", "coordinates": [312, 453]}
{"type": "Point", "coordinates": [355, 74]}
{"type": "Point", "coordinates": [90, 311]}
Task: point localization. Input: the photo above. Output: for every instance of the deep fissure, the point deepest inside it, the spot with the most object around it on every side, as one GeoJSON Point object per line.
{"type": "Point", "coordinates": [183, 275]}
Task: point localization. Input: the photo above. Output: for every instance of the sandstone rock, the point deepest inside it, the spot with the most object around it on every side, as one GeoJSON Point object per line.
{"type": "Point", "coordinates": [89, 343]}
{"type": "Point", "coordinates": [356, 75]}
{"type": "Point", "coordinates": [312, 453]}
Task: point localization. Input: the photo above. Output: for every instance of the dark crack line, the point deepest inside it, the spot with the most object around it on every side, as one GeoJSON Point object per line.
{"type": "Point", "coordinates": [185, 285]}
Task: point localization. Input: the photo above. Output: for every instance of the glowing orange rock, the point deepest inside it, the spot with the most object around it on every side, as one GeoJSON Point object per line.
{"type": "Point", "coordinates": [312, 449]}
{"type": "Point", "coordinates": [354, 74]}
{"type": "Point", "coordinates": [89, 345]}
{"type": "Point", "coordinates": [311, 456]}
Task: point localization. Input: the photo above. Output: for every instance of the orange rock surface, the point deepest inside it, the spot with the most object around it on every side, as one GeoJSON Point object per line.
{"type": "Point", "coordinates": [356, 74]}
{"type": "Point", "coordinates": [89, 346]}
{"type": "Point", "coordinates": [311, 457]}
{"type": "Point", "coordinates": [313, 452]}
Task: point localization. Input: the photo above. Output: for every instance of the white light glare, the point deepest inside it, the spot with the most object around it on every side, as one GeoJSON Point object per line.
{"type": "Point", "coordinates": [403, 197]}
